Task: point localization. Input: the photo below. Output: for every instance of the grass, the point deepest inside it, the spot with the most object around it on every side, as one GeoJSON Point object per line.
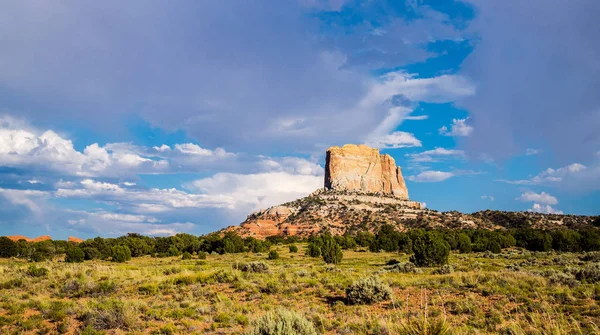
{"type": "Point", "coordinates": [515, 292]}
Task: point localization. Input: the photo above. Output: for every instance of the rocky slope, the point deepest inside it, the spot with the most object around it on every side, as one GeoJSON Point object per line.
{"type": "Point", "coordinates": [343, 212]}
{"type": "Point", "coordinates": [364, 189]}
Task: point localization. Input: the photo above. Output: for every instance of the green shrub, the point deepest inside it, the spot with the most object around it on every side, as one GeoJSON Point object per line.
{"type": "Point", "coordinates": [589, 274]}
{"type": "Point", "coordinates": [368, 291]}
{"type": "Point", "coordinates": [429, 249]}
{"type": "Point", "coordinates": [407, 267]}
{"type": "Point", "coordinates": [202, 255]}
{"type": "Point", "coordinates": [34, 271]}
{"type": "Point", "coordinates": [282, 322]}
{"type": "Point", "coordinates": [186, 255]}
{"type": "Point", "coordinates": [331, 251]}
{"type": "Point", "coordinates": [464, 243]}
{"type": "Point", "coordinates": [259, 267]}
{"type": "Point", "coordinates": [313, 250]}
{"type": "Point", "coordinates": [273, 254]}
{"type": "Point", "coordinates": [443, 270]}
{"type": "Point", "coordinates": [293, 248]}
{"type": "Point", "coordinates": [120, 254]}
{"type": "Point", "coordinates": [74, 255]}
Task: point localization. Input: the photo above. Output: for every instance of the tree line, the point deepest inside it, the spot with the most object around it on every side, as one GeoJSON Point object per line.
{"type": "Point", "coordinates": [430, 244]}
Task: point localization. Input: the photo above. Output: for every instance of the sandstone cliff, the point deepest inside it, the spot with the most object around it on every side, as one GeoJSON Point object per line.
{"type": "Point", "coordinates": [360, 168]}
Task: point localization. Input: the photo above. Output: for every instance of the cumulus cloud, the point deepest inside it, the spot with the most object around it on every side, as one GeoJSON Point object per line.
{"type": "Point", "coordinates": [488, 197]}
{"type": "Point", "coordinates": [459, 127]}
{"type": "Point", "coordinates": [541, 198]}
{"type": "Point", "coordinates": [545, 209]}
{"type": "Point", "coordinates": [574, 176]}
{"type": "Point", "coordinates": [257, 191]}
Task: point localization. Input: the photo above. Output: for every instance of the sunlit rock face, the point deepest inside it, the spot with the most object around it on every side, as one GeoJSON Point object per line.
{"type": "Point", "coordinates": [359, 168]}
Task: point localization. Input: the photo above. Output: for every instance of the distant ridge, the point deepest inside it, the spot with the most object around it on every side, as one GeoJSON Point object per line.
{"type": "Point", "coordinates": [41, 238]}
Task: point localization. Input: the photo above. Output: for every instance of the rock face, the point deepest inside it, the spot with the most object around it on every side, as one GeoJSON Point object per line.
{"type": "Point", "coordinates": [359, 168]}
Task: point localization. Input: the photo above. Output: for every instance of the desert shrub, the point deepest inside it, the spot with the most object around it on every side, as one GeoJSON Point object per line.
{"type": "Point", "coordinates": [293, 248]}
{"type": "Point", "coordinates": [407, 267]}
{"type": "Point", "coordinates": [148, 289]}
{"type": "Point", "coordinates": [121, 254]}
{"type": "Point", "coordinates": [429, 249]}
{"type": "Point", "coordinates": [443, 270]}
{"type": "Point", "coordinates": [282, 322]}
{"type": "Point", "coordinates": [259, 267]}
{"type": "Point", "coordinates": [74, 255]}
{"type": "Point", "coordinates": [186, 255]}
{"type": "Point", "coordinates": [313, 250]}
{"type": "Point", "coordinates": [12, 283]}
{"type": "Point", "coordinates": [368, 291]}
{"type": "Point", "coordinates": [270, 287]}
{"type": "Point", "coordinates": [425, 326]}
{"type": "Point", "coordinates": [560, 278]}
{"type": "Point", "coordinates": [202, 255]}
{"type": "Point", "coordinates": [224, 277]}
{"type": "Point", "coordinates": [35, 271]}
{"type": "Point", "coordinates": [273, 254]}
{"type": "Point", "coordinates": [331, 251]}
{"type": "Point", "coordinates": [109, 314]}
{"type": "Point", "coordinates": [588, 274]}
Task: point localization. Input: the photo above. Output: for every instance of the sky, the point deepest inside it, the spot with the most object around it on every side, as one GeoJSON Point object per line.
{"type": "Point", "coordinates": [167, 117]}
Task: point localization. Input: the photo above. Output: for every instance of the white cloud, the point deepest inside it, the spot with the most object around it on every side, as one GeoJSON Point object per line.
{"type": "Point", "coordinates": [257, 191]}
{"type": "Point", "coordinates": [397, 139]}
{"type": "Point", "coordinates": [435, 155]}
{"type": "Point", "coordinates": [573, 176]}
{"type": "Point", "coordinates": [459, 127]}
{"type": "Point", "coordinates": [541, 198]}
{"type": "Point", "coordinates": [546, 209]}
{"type": "Point", "coordinates": [416, 117]}
{"type": "Point", "coordinates": [531, 152]}
{"type": "Point", "coordinates": [431, 176]}
{"type": "Point", "coordinates": [488, 197]}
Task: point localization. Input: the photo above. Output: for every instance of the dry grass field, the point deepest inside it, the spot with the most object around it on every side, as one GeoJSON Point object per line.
{"type": "Point", "coordinates": [515, 292]}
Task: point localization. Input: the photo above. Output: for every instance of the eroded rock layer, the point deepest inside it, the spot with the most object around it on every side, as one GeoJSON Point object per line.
{"type": "Point", "coordinates": [360, 168]}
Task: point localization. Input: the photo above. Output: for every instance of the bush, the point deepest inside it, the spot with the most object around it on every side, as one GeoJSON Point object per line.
{"type": "Point", "coordinates": [259, 267]}
{"type": "Point", "coordinates": [34, 271]}
{"type": "Point", "coordinates": [464, 243]}
{"type": "Point", "coordinates": [282, 322]}
{"type": "Point", "coordinates": [331, 251]}
{"type": "Point", "coordinates": [186, 255]}
{"type": "Point", "coordinates": [273, 254]}
{"type": "Point", "coordinates": [429, 249]}
{"type": "Point", "coordinates": [74, 255]}
{"type": "Point", "coordinates": [443, 270]}
{"type": "Point", "coordinates": [120, 253]}
{"type": "Point", "coordinates": [8, 248]}
{"type": "Point", "coordinates": [109, 314]}
{"type": "Point", "coordinates": [313, 250]}
{"type": "Point", "coordinates": [293, 248]}
{"type": "Point", "coordinates": [202, 255]}
{"type": "Point", "coordinates": [589, 274]}
{"type": "Point", "coordinates": [401, 268]}
{"type": "Point", "coordinates": [368, 291]}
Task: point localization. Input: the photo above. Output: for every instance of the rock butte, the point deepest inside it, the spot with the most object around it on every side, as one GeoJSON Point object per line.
{"type": "Point", "coordinates": [356, 177]}
{"type": "Point", "coordinates": [362, 169]}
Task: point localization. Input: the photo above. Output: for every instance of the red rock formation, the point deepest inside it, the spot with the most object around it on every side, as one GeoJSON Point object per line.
{"type": "Point", "coordinates": [75, 239]}
{"type": "Point", "coordinates": [37, 239]}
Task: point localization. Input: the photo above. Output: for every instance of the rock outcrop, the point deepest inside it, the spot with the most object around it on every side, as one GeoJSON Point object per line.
{"type": "Point", "coordinates": [37, 239]}
{"type": "Point", "coordinates": [75, 239]}
{"type": "Point", "coordinates": [362, 169]}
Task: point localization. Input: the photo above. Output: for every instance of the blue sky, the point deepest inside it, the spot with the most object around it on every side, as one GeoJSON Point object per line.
{"type": "Point", "coordinates": [186, 116]}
